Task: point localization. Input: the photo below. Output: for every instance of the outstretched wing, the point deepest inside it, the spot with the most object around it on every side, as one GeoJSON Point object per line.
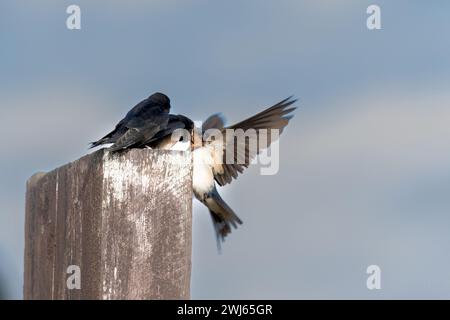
{"type": "Point", "coordinates": [239, 151]}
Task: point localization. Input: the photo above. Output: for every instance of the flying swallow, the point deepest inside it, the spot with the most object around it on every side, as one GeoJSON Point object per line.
{"type": "Point", "coordinates": [140, 125]}
{"type": "Point", "coordinates": [210, 165]}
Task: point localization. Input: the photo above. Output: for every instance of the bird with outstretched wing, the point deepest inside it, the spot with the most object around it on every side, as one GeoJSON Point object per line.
{"type": "Point", "coordinates": [210, 163]}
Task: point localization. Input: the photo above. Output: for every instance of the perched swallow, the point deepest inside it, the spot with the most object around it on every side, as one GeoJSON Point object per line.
{"type": "Point", "coordinates": [209, 157]}
{"type": "Point", "coordinates": [140, 125]}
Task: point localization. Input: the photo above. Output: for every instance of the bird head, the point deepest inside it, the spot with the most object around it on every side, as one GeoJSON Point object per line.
{"type": "Point", "coordinates": [162, 100]}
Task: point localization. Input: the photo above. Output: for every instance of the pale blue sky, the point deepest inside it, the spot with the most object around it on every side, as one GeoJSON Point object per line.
{"type": "Point", "coordinates": [364, 176]}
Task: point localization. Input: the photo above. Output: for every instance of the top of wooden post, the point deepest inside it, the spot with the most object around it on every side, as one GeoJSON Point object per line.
{"type": "Point", "coordinates": [124, 219]}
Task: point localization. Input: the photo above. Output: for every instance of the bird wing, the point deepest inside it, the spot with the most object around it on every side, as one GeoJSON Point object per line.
{"type": "Point", "coordinates": [239, 150]}
{"type": "Point", "coordinates": [137, 136]}
{"type": "Point", "coordinates": [142, 123]}
{"type": "Point", "coordinates": [175, 122]}
{"type": "Point", "coordinates": [142, 114]}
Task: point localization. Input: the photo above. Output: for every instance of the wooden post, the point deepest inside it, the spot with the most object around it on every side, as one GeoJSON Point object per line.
{"type": "Point", "coordinates": [124, 219]}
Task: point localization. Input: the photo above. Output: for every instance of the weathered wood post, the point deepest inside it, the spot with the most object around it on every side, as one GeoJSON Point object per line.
{"type": "Point", "coordinates": [123, 219]}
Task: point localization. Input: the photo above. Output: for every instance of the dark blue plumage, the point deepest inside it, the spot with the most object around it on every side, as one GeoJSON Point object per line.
{"type": "Point", "coordinates": [140, 125]}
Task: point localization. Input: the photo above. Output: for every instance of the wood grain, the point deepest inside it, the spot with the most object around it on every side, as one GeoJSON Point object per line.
{"type": "Point", "coordinates": [123, 218]}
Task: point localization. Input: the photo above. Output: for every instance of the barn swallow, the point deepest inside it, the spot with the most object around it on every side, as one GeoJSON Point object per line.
{"type": "Point", "coordinates": [140, 125]}
{"type": "Point", "coordinates": [150, 125]}
{"type": "Point", "coordinates": [210, 165]}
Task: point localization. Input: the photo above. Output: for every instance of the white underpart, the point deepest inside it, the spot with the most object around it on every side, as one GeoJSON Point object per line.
{"type": "Point", "coordinates": [181, 146]}
{"type": "Point", "coordinates": [204, 159]}
{"type": "Point", "coordinates": [202, 178]}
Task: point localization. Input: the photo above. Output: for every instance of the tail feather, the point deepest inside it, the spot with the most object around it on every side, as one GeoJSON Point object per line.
{"type": "Point", "coordinates": [222, 215]}
{"type": "Point", "coordinates": [105, 140]}
{"type": "Point", "coordinates": [110, 137]}
{"type": "Point", "coordinates": [97, 143]}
